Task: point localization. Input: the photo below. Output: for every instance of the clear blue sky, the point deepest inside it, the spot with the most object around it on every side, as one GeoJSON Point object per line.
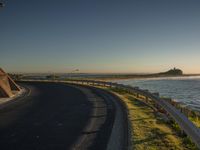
{"type": "Point", "coordinates": [126, 36]}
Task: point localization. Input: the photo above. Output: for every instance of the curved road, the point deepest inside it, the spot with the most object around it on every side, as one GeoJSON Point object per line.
{"type": "Point", "coordinates": [55, 116]}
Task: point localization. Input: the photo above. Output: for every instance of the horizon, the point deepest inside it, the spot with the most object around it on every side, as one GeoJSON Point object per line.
{"type": "Point", "coordinates": [94, 72]}
{"type": "Point", "coordinates": [100, 73]}
{"type": "Point", "coordinates": [100, 36]}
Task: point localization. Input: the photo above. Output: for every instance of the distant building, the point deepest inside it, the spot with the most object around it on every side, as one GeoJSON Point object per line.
{"type": "Point", "coordinates": [7, 86]}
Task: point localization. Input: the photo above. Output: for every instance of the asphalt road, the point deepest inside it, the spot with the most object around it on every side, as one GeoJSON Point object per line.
{"type": "Point", "coordinates": [55, 116]}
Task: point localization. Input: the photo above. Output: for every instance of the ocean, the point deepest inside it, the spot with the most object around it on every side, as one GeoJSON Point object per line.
{"type": "Point", "coordinates": [181, 89]}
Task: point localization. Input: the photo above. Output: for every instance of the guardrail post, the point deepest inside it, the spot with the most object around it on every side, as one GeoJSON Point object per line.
{"type": "Point", "coordinates": [137, 95]}
{"type": "Point", "coordinates": [181, 109]}
{"type": "Point", "coordinates": [110, 84]}
{"type": "Point", "coordinates": [146, 98]}
{"type": "Point", "coordinates": [156, 94]}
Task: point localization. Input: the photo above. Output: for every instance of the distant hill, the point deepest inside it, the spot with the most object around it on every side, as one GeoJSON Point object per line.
{"type": "Point", "coordinates": [174, 71]}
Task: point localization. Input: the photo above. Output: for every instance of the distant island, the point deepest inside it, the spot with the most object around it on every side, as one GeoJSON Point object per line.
{"type": "Point", "coordinates": [175, 72]}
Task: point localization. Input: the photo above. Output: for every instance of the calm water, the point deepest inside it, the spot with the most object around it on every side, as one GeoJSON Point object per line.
{"type": "Point", "coordinates": [182, 89]}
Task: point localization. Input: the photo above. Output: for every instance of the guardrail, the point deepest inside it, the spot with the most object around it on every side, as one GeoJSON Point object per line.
{"type": "Point", "coordinates": [185, 124]}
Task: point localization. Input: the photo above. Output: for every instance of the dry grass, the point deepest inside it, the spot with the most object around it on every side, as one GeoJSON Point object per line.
{"type": "Point", "coordinates": [195, 121]}
{"type": "Point", "coordinates": [149, 131]}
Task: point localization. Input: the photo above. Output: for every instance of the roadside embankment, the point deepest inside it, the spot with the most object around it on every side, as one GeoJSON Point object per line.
{"type": "Point", "coordinates": [149, 129]}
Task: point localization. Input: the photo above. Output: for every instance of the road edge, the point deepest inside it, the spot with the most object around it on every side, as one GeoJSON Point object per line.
{"type": "Point", "coordinates": [121, 117]}
{"type": "Point", "coordinates": [24, 92]}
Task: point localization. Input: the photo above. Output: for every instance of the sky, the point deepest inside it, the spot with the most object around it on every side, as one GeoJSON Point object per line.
{"type": "Point", "coordinates": [100, 36]}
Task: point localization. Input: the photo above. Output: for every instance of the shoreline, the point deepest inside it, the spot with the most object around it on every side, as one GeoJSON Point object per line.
{"type": "Point", "coordinates": [138, 77]}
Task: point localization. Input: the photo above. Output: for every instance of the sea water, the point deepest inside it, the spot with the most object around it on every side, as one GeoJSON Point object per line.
{"type": "Point", "coordinates": [182, 89]}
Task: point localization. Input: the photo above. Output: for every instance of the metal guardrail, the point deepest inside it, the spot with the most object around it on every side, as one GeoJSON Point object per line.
{"type": "Point", "coordinates": [185, 124]}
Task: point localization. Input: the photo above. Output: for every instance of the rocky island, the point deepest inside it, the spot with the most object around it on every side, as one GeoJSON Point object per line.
{"type": "Point", "coordinates": [173, 72]}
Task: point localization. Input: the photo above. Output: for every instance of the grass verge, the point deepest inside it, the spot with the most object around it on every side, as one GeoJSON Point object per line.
{"type": "Point", "coordinates": [195, 121]}
{"type": "Point", "coordinates": [149, 130]}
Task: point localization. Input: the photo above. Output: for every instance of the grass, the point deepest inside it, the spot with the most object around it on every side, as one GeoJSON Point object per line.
{"type": "Point", "coordinates": [149, 130]}
{"type": "Point", "coordinates": [195, 121]}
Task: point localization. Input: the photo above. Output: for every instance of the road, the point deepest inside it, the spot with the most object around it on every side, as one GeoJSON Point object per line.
{"type": "Point", "coordinates": [55, 116]}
